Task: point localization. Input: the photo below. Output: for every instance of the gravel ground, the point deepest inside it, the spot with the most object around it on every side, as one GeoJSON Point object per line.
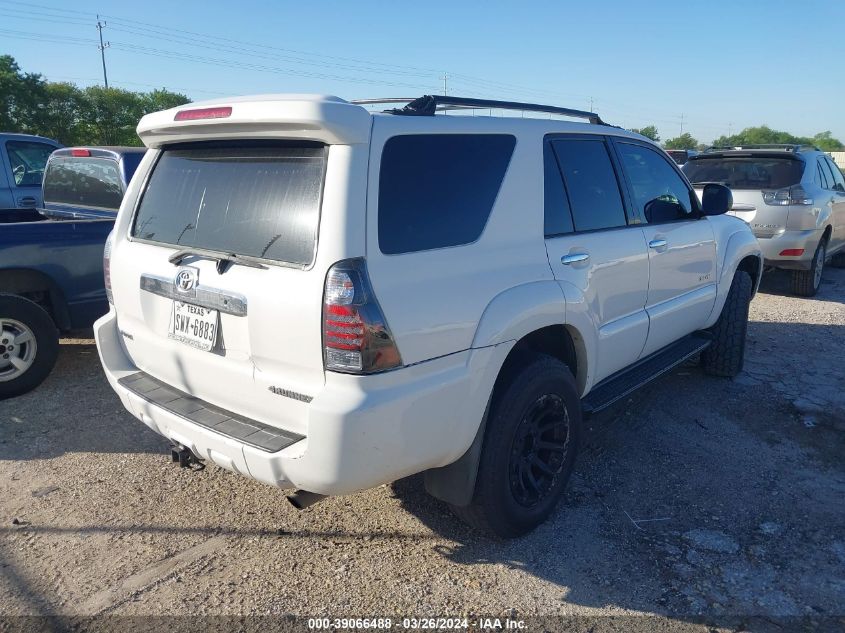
{"type": "Point", "coordinates": [696, 497]}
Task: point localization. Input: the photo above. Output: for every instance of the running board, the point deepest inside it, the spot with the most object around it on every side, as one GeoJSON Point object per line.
{"type": "Point", "coordinates": [627, 381]}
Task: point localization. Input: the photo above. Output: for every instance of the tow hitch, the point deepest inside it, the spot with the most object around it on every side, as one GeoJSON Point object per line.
{"type": "Point", "coordinates": [184, 457]}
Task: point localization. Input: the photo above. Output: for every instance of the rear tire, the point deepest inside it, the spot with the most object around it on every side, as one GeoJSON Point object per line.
{"type": "Point", "coordinates": [805, 283]}
{"type": "Point", "coordinates": [530, 444]}
{"type": "Point", "coordinates": [29, 345]}
{"type": "Point", "coordinates": [726, 354]}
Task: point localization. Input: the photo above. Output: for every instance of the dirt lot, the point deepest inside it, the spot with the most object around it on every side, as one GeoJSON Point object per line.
{"type": "Point", "coordinates": [697, 496]}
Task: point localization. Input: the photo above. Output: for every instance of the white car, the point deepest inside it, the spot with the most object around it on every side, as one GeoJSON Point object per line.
{"type": "Point", "coordinates": [328, 299]}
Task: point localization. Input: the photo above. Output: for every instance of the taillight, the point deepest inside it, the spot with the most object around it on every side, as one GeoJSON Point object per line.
{"type": "Point", "coordinates": [785, 197]}
{"type": "Point", "coordinates": [203, 113]}
{"type": "Point", "coordinates": [107, 268]}
{"type": "Point", "coordinates": [356, 338]}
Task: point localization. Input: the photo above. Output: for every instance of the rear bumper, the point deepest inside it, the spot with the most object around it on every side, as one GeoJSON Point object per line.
{"type": "Point", "coordinates": [806, 240]}
{"type": "Point", "coordinates": [362, 431]}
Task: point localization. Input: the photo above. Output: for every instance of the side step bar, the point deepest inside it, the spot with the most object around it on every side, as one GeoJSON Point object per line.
{"type": "Point", "coordinates": [621, 384]}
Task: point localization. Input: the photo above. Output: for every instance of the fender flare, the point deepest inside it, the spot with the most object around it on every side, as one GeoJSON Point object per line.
{"type": "Point", "coordinates": [740, 245]}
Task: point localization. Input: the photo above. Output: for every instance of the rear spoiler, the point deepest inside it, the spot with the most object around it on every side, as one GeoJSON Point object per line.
{"type": "Point", "coordinates": [325, 119]}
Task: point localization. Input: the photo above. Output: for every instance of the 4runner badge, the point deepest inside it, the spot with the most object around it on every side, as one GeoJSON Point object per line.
{"type": "Point", "coordinates": [186, 279]}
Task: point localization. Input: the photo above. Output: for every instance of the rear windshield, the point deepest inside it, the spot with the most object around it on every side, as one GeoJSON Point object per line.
{"type": "Point", "coordinates": [84, 182]}
{"type": "Point", "coordinates": [678, 155]}
{"type": "Point", "coordinates": [746, 172]}
{"type": "Point", "coordinates": [260, 200]}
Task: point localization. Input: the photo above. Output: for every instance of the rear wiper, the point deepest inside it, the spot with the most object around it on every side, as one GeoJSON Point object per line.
{"type": "Point", "coordinates": [224, 260]}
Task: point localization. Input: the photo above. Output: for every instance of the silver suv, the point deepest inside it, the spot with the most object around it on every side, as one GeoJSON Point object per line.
{"type": "Point", "coordinates": [793, 196]}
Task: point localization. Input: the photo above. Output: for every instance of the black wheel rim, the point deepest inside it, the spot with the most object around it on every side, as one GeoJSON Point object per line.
{"type": "Point", "coordinates": [539, 450]}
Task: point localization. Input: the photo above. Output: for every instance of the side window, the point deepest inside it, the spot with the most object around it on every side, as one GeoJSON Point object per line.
{"type": "Point", "coordinates": [558, 214]}
{"type": "Point", "coordinates": [437, 190]}
{"type": "Point", "coordinates": [827, 177]}
{"type": "Point", "coordinates": [590, 183]}
{"type": "Point", "coordinates": [660, 194]}
{"type": "Point", "coordinates": [818, 178]}
{"type": "Point", "coordinates": [28, 159]}
{"type": "Point", "coordinates": [838, 178]}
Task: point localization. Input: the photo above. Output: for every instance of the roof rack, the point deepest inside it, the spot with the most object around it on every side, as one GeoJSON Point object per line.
{"type": "Point", "coordinates": [428, 105]}
{"type": "Point", "coordinates": [788, 147]}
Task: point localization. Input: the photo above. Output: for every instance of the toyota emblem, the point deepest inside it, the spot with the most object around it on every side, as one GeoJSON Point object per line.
{"type": "Point", "coordinates": [186, 279]}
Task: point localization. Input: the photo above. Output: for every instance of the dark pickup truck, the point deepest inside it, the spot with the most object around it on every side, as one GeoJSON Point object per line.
{"type": "Point", "coordinates": [51, 259]}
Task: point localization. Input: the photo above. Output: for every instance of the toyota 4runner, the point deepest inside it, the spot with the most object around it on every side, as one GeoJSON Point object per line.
{"type": "Point", "coordinates": [325, 298]}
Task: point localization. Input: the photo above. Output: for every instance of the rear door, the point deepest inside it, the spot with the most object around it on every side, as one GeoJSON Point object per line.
{"type": "Point", "coordinates": [235, 335]}
{"type": "Point", "coordinates": [681, 245]}
{"type": "Point", "coordinates": [592, 247]}
{"type": "Point", "coordinates": [836, 183]}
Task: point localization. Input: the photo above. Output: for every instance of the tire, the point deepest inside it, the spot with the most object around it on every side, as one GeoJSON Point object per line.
{"type": "Point", "coordinates": [805, 283]}
{"type": "Point", "coordinates": [505, 504]}
{"type": "Point", "coordinates": [29, 345]}
{"type": "Point", "coordinates": [726, 354]}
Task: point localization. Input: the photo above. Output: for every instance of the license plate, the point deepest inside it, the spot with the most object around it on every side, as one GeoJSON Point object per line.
{"type": "Point", "coordinates": [193, 325]}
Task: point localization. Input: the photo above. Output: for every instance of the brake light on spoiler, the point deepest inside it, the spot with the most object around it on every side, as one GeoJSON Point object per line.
{"type": "Point", "coordinates": [204, 113]}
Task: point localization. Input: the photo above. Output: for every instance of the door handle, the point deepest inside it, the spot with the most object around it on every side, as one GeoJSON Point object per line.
{"type": "Point", "coordinates": [573, 258]}
{"type": "Point", "coordinates": [658, 243]}
{"type": "Point", "coordinates": [27, 202]}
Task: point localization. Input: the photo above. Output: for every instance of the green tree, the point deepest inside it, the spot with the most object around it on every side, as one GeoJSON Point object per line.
{"type": "Point", "coordinates": [684, 141]}
{"type": "Point", "coordinates": [20, 97]}
{"type": "Point", "coordinates": [649, 131]}
{"type": "Point", "coordinates": [825, 141]}
{"type": "Point", "coordinates": [61, 114]}
{"type": "Point", "coordinates": [162, 99]}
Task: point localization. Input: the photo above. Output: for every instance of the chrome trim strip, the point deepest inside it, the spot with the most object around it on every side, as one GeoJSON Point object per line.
{"type": "Point", "coordinates": [204, 296]}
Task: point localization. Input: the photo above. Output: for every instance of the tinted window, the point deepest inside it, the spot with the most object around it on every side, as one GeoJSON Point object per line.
{"type": "Point", "coordinates": [28, 160]}
{"type": "Point", "coordinates": [261, 200]}
{"type": "Point", "coordinates": [438, 190]}
{"type": "Point", "coordinates": [558, 215]}
{"type": "Point", "coordinates": [591, 184]}
{"type": "Point", "coordinates": [86, 182]}
{"type": "Point", "coordinates": [818, 178]}
{"type": "Point", "coordinates": [659, 192]}
{"type": "Point", "coordinates": [835, 180]}
{"type": "Point", "coordinates": [678, 155]}
{"type": "Point", "coordinates": [745, 172]}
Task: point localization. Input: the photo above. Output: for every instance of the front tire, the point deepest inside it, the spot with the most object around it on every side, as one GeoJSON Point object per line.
{"type": "Point", "coordinates": [726, 354]}
{"type": "Point", "coordinates": [29, 345]}
{"type": "Point", "coordinates": [530, 444]}
{"type": "Point", "coordinates": [805, 283]}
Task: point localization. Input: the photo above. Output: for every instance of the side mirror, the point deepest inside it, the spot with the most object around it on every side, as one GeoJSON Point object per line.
{"type": "Point", "coordinates": [716, 199]}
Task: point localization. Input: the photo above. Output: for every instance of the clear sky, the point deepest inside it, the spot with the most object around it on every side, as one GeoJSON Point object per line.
{"type": "Point", "coordinates": [712, 66]}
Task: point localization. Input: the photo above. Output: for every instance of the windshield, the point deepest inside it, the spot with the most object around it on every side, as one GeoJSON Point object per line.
{"type": "Point", "coordinates": [746, 172]}
{"type": "Point", "coordinates": [85, 182]}
{"type": "Point", "coordinates": [256, 199]}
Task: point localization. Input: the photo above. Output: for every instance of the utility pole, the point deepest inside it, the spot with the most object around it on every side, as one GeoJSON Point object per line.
{"type": "Point", "coordinates": [445, 77]}
{"type": "Point", "coordinates": [682, 123]}
{"type": "Point", "coordinates": [591, 105]}
{"type": "Point", "coordinates": [103, 47]}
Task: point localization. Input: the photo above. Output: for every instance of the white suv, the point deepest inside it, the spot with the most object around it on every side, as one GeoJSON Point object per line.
{"type": "Point", "coordinates": [323, 298]}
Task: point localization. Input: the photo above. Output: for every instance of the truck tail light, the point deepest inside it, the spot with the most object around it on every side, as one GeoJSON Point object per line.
{"type": "Point", "coordinates": [794, 195]}
{"type": "Point", "coordinates": [107, 268]}
{"type": "Point", "coordinates": [356, 338]}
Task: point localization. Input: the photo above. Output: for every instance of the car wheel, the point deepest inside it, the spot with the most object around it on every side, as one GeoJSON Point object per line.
{"type": "Point", "coordinates": [805, 283]}
{"type": "Point", "coordinates": [29, 345]}
{"type": "Point", "coordinates": [726, 353]}
{"type": "Point", "coordinates": [530, 443]}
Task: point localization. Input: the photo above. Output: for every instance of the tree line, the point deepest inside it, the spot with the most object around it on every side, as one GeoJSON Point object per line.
{"type": "Point", "coordinates": [760, 135]}
{"type": "Point", "coordinates": [71, 115]}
